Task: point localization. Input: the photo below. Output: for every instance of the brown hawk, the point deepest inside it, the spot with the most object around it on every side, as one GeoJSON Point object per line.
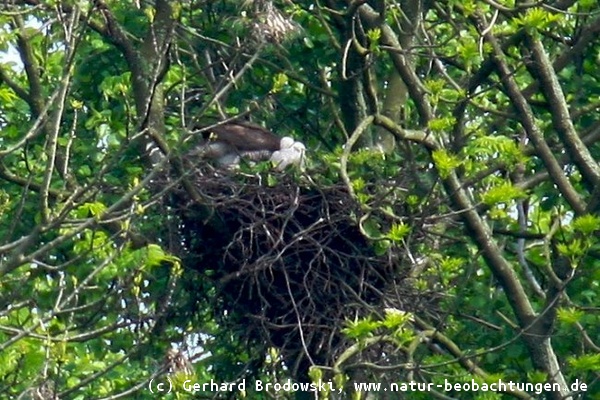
{"type": "Point", "coordinates": [229, 143]}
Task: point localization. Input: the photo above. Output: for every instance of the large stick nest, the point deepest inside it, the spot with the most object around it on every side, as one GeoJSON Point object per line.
{"type": "Point", "coordinates": [289, 260]}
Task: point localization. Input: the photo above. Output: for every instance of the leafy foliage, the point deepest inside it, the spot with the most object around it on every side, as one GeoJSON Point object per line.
{"type": "Point", "coordinates": [445, 229]}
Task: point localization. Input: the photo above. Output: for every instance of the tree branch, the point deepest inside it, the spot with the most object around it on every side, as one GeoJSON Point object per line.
{"type": "Point", "coordinates": [529, 123]}
{"type": "Point", "coordinates": [561, 118]}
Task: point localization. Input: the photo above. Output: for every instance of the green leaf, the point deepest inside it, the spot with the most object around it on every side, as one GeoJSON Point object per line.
{"type": "Point", "coordinates": [271, 180]}
{"type": "Point", "coordinates": [363, 198]}
{"type": "Point", "coordinates": [537, 377]}
{"type": "Point", "coordinates": [586, 5]}
{"type": "Point", "coordinates": [374, 35]}
{"type": "Point", "coordinates": [84, 171]}
{"type": "Point", "coordinates": [95, 209]}
{"type": "Point", "coordinates": [538, 18]}
{"type": "Point", "coordinates": [360, 328]}
{"type": "Point", "coordinates": [395, 318]}
{"type": "Point", "coordinates": [7, 95]}
{"type": "Point", "coordinates": [452, 264]}
{"type": "Point", "coordinates": [445, 162]}
{"type": "Point", "coordinates": [371, 228]}
{"type": "Point", "coordinates": [155, 255]}
{"type": "Point", "coordinates": [398, 232]}
{"type": "Point", "coordinates": [587, 362]}
{"type": "Point", "coordinates": [381, 247]}
{"type": "Point", "coordinates": [315, 373]}
{"type": "Point", "coordinates": [586, 224]}
{"type": "Point", "coordinates": [570, 315]}
{"type": "Point", "coordinates": [358, 184]}
{"type": "Point", "coordinates": [441, 124]}
{"type": "Point", "coordinates": [574, 249]}
{"type": "Point", "coordinates": [435, 86]}
{"type": "Point", "coordinates": [279, 82]}
{"type": "Point", "coordinates": [503, 193]}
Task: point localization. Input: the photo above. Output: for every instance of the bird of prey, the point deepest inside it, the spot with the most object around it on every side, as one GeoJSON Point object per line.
{"type": "Point", "coordinates": [290, 153]}
{"type": "Point", "coordinates": [231, 142]}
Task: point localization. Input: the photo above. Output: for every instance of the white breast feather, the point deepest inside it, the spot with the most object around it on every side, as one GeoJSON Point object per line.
{"type": "Point", "coordinates": [292, 154]}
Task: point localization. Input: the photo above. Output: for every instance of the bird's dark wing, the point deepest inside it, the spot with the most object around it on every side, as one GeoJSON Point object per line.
{"type": "Point", "coordinates": [245, 137]}
{"type": "Point", "coordinates": [256, 155]}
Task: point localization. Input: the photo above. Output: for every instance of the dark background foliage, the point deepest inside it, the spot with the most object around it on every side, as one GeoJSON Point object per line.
{"type": "Point", "coordinates": [445, 227]}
